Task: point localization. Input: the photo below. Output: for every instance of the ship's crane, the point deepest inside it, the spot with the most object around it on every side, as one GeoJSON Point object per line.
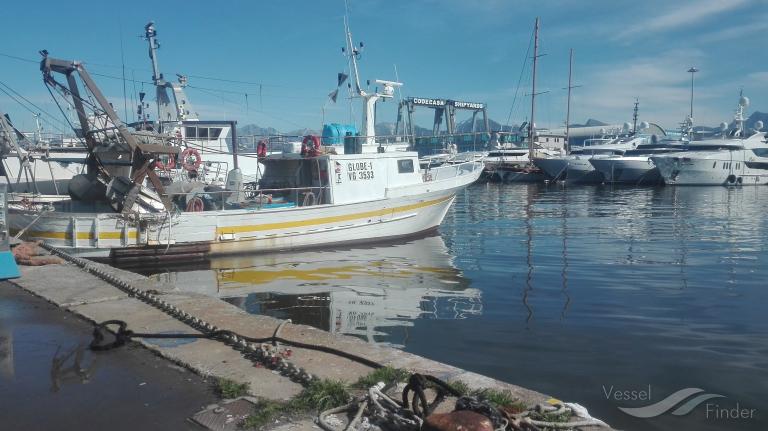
{"type": "Point", "coordinates": [115, 152]}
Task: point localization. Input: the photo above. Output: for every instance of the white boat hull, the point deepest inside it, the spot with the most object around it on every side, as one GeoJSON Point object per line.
{"type": "Point", "coordinates": [580, 170]}
{"type": "Point", "coordinates": [46, 177]}
{"type": "Point", "coordinates": [404, 211]}
{"type": "Point", "coordinates": [573, 169]}
{"type": "Point", "coordinates": [554, 167]}
{"type": "Point", "coordinates": [714, 168]}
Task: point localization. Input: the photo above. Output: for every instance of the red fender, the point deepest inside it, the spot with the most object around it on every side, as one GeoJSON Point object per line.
{"type": "Point", "coordinates": [312, 151]}
{"type": "Point", "coordinates": [261, 148]}
{"type": "Point", "coordinates": [167, 165]}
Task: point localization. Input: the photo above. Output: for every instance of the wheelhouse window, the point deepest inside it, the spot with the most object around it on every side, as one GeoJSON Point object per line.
{"type": "Point", "coordinates": [203, 133]}
{"type": "Point", "coordinates": [405, 166]}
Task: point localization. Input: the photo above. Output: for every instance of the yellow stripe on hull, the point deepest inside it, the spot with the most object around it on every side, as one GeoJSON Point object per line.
{"type": "Point", "coordinates": [80, 235]}
{"type": "Point", "coordinates": [326, 220]}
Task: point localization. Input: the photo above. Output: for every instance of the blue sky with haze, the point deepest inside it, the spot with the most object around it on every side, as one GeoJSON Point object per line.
{"type": "Point", "coordinates": [466, 50]}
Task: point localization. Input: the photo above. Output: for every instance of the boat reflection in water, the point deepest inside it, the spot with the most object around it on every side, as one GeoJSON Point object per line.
{"type": "Point", "coordinates": [376, 293]}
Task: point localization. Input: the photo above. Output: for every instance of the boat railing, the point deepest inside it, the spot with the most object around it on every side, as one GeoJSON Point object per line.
{"type": "Point", "coordinates": [452, 170]}
{"type": "Point", "coordinates": [210, 171]}
{"type": "Point", "coordinates": [251, 197]}
{"type": "Point", "coordinates": [424, 144]}
{"type": "Point", "coordinates": [52, 141]}
{"type": "Point", "coordinates": [292, 143]}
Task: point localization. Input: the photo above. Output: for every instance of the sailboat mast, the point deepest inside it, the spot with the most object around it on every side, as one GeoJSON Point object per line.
{"type": "Point", "coordinates": [531, 127]}
{"type": "Point", "coordinates": [568, 105]}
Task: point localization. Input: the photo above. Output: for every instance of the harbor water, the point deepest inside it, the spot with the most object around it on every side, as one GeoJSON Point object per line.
{"type": "Point", "coordinates": [606, 296]}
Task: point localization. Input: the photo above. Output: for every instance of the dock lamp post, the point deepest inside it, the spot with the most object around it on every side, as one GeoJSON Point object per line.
{"type": "Point", "coordinates": [692, 71]}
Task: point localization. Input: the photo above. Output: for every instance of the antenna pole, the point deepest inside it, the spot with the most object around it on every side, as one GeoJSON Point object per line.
{"type": "Point", "coordinates": [352, 52]}
{"type": "Point", "coordinates": [568, 108]}
{"type": "Point", "coordinates": [634, 118]}
{"type": "Point", "coordinates": [531, 127]}
{"type": "Point", "coordinates": [149, 35]}
{"type": "Point", "coordinates": [692, 71]}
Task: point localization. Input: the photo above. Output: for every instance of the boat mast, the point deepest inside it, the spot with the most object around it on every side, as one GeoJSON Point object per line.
{"type": "Point", "coordinates": [568, 106]}
{"type": "Point", "coordinates": [532, 126]}
{"type": "Point", "coordinates": [739, 117]}
{"type": "Point", "coordinates": [353, 53]}
{"type": "Point", "coordinates": [149, 35]}
{"type": "Point", "coordinates": [692, 71]}
{"type": "Point", "coordinates": [157, 77]}
{"type": "Point", "coordinates": [369, 99]}
{"type": "Point", "coordinates": [179, 110]}
{"type": "Point", "coordinates": [38, 130]}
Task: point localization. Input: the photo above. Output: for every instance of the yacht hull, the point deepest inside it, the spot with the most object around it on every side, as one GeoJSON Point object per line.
{"type": "Point", "coordinates": [720, 168]}
{"type": "Point", "coordinates": [627, 170]}
{"type": "Point", "coordinates": [581, 171]}
{"type": "Point", "coordinates": [553, 167]}
{"type": "Point", "coordinates": [519, 175]}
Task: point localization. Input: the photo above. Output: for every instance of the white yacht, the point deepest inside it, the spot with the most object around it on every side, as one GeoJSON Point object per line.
{"type": "Point", "coordinates": [736, 158]}
{"type": "Point", "coordinates": [576, 167]}
{"type": "Point", "coordinates": [635, 166]}
{"type": "Point", "coordinates": [717, 162]}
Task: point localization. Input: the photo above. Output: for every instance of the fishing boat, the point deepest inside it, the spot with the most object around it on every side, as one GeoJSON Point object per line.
{"type": "Point", "coordinates": [123, 209]}
{"type": "Point", "coordinates": [302, 202]}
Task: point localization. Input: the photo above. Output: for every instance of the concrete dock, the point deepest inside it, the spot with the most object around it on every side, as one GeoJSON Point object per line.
{"type": "Point", "coordinates": [96, 300]}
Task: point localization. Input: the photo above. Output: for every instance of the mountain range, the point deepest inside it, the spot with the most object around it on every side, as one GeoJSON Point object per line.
{"type": "Point", "coordinates": [388, 129]}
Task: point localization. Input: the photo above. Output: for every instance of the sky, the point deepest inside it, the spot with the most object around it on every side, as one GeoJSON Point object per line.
{"type": "Point", "coordinates": [286, 56]}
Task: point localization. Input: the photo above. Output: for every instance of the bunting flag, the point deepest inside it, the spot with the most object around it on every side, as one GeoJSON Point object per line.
{"type": "Point", "coordinates": [341, 78]}
{"type": "Point", "coordinates": [333, 95]}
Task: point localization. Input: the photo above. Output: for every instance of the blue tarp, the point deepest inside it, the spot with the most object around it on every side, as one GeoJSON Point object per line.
{"type": "Point", "coordinates": [8, 267]}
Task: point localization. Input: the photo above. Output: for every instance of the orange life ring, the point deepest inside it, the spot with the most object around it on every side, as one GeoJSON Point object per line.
{"type": "Point", "coordinates": [186, 163]}
{"type": "Point", "coordinates": [261, 148]}
{"type": "Point", "coordinates": [312, 151]}
{"type": "Point", "coordinates": [169, 164]}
